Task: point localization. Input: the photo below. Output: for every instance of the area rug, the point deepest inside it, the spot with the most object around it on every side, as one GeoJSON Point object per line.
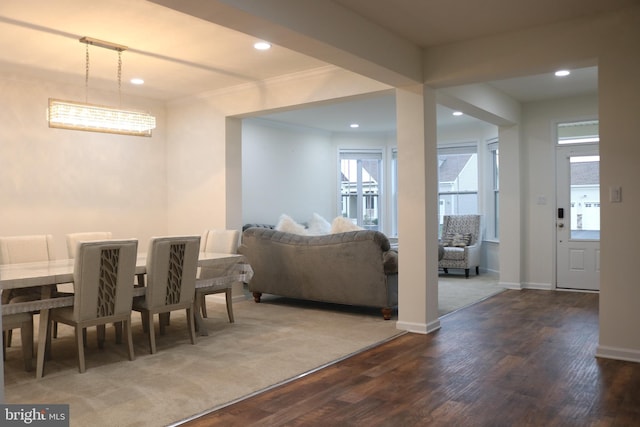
{"type": "Point", "coordinates": [269, 343]}
{"type": "Point", "coordinates": [456, 292]}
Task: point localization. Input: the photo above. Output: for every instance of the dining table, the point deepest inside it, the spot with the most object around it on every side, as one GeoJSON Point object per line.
{"type": "Point", "coordinates": [47, 274]}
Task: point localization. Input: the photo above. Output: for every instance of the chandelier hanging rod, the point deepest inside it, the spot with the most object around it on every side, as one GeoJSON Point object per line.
{"type": "Point", "coordinates": [102, 43]}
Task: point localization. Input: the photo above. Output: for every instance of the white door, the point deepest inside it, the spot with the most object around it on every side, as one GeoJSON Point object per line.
{"type": "Point", "coordinates": [578, 217]}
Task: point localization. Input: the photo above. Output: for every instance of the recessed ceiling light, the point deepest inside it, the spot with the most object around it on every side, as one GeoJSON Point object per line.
{"type": "Point", "coordinates": [457, 113]}
{"type": "Point", "coordinates": [137, 81]}
{"type": "Point", "coordinates": [562, 73]}
{"type": "Point", "coordinates": [354, 125]}
{"type": "Point", "coordinates": [262, 45]}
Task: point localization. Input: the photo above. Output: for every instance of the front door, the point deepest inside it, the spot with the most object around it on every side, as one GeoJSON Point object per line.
{"type": "Point", "coordinates": [578, 217]}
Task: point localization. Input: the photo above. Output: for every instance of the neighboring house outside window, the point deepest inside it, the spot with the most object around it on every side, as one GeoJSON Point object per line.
{"type": "Point", "coordinates": [457, 181]}
{"type": "Point", "coordinates": [361, 187]}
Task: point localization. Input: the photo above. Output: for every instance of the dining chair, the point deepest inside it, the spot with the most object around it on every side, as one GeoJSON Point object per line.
{"type": "Point", "coordinates": [24, 321]}
{"type": "Point", "coordinates": [74, 238]}
{"type": "Point", "coordinates": [172, 265]}
{"type": "Point", "coordinates": [23, 249]}
{"type": "Point", "coordinates": [103, 279]}
{"type": "Point", "coordinates": [72, 245]}
{"type": "Point", "coordinates": [219, 241]}
{"type": "Point", "coordinates": [72, 242]}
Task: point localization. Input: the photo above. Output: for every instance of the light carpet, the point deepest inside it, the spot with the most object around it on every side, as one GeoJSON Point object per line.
{"type": "Point", "coordinates": [456, 292]}
{"type": "Point", "coordinates": [269, 343]}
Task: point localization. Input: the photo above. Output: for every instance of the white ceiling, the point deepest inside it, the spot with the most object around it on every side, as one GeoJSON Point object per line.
{"type": "Point", "coordinates": [377, 114]}
{"type": "Point", "coordinates": [179, 55]}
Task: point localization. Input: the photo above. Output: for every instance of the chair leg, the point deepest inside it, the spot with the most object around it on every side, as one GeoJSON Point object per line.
{"type": "Point", "coordinates": [26, 334]}
{"type": "Point", "coordinates": [191, 325]}
{"type": "Point", "coordinates": [145, 322]}
{"type": "Point", "coordinates": [152, 333]}
{"type": "Point", "coordinates": [163, 321]}
{"type": "Point", "coordinates": [80, 345]}
{"type": "Point", "coordinates": [118, 328]}
{"type": "Point", "coordinates": [466, 273]}
{"type": "Point", "coordinates": [101, 335]}
{"type": "Point", "coordinates": [127, 330]}
{"type": "Point", "coordinates": [477, 270]}
{"type": "Point", "coordinates": [8, 340]}
{"type": "Point", "coordinates": [229, 300]}
{"type": "Point", "coordinates": [203, 305]}
{"type": "Point", "coordinates": [197, 317]}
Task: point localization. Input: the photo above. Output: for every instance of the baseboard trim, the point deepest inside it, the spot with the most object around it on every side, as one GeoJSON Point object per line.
{"type": "Point", "coordinates": [538, 286]}
{"type": "Point", "coordinates": [511, 285]}
{"type": "Point", "coordinates": [617, 353]}
{"type": "Point", "coordinates": [418, 328]}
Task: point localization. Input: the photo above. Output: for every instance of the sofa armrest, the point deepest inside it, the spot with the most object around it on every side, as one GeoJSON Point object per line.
{"type": "Point", "coordinates": [390, 262]}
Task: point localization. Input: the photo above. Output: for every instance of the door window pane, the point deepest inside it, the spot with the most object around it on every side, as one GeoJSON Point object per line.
{"type": "Point", "coordinates": [585, 197]}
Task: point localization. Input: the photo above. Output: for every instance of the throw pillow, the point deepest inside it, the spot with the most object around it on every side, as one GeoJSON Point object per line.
{"type": "Point", "coordinates": [461, 240]}
{"type": "Point", "coordinates": [318, 226]}
{"type": "Point", "coordinates": [288, 225]}
{"type": "Point", "coordinates": [447, 239]}
{"type": "Point", "coordinates": [341, 224]}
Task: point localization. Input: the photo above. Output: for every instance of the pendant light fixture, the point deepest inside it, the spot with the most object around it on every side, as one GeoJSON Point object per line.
{"type": "Point", "coordinates": [98, 118]}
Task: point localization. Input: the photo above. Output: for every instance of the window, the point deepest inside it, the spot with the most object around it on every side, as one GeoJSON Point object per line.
{"type": "Point", "coordinates": [494, 211]}
{"type": "Point", "coordinates": [360, 187]}
{"type": "Point", "coordinates": [584, 132]}
{"type": "Point", "coordinates": [457, 180]}
{"type": "Point", "coordinates": [394, 192]}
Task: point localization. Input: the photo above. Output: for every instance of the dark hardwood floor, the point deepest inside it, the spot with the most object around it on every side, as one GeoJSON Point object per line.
{"type": "Point", "coordinates": [521, 358]}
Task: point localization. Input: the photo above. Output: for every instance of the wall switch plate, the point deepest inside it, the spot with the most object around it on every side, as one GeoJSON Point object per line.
{"type": "Point", "coordinates": [615, 194]}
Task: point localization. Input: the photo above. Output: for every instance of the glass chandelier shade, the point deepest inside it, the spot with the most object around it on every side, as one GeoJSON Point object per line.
{"type": "Point", "coordinates": [96, 118]}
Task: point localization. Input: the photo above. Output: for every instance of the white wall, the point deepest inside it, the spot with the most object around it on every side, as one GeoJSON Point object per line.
{"type": "Point", "coordinates": [58, 181]}
{"type": "Point", "coordinates": [286, 171]}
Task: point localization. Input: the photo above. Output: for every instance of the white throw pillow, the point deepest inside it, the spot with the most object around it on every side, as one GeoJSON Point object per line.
{"type": "Point", "coordinates": [318, 226]}
{"type": "Point", "coordinates": [341, 224]}
{"type": "Point", "coordinates": [288, 225]}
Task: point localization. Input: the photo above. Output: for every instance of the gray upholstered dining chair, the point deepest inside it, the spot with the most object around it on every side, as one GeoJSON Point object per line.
{"type": "Point", "coordinates": [23, 249]}
{"type": "Point", "coordinates": [24, 321]}
{"type": "Point", "coordinates": [172, 265]}
{"type": "Point", "coordinates": [103, 279]}
{"type": "Point", "coordinates": [224, 242]}
{"type": "Point", "coordinates": [73, 239]}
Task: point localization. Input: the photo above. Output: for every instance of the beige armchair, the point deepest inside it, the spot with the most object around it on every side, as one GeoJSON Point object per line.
{"type": "Point", "coordinates": [224, 242]}
{"type": "Point", "coordinates": [461, 240]}
{"type": "Point", "coordinates": [103, 278]}
{"type": "Point", "coordinates": [172, 265]}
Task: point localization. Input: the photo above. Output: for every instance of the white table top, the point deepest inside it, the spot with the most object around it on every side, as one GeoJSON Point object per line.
{"type": "Point", "coordinates": [25, 275]}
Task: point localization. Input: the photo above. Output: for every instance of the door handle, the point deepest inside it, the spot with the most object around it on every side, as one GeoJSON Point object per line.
{"type": "Point", "coordinates": [561, 225]}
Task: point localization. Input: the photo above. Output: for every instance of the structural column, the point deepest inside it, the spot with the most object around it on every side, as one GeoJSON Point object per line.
{"type": "Point", "coordinates": [417, 209]}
